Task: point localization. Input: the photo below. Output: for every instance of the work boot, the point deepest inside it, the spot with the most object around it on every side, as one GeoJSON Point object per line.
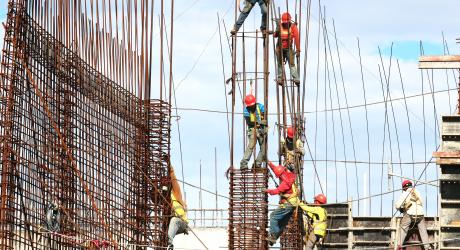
{"type": "Point", "coordinates": [296, 82]}
{"type": "Point", "coordinates": [271, 239]}
{"type": "Point", "coordinates": [243, 167]}
{"type": "Point", "coordinates": [279, 81]}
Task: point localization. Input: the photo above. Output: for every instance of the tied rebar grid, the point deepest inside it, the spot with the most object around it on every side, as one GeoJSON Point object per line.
{"type": "Point", "coordinates": [248, 209]}
{"type": "Point", "coordinates": [291, 238]}
{"type": "Point", "coordinates": [73, 137]}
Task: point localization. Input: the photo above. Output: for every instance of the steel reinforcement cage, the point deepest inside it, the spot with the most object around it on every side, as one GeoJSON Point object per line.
{"type": "Point", "coordinates": [248, 209]}
{"type": "Point", "coordinates": [71, 137]}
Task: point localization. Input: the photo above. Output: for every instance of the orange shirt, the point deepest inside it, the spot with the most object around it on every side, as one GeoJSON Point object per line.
{"type": "Point", "coordinates": [286, 41]}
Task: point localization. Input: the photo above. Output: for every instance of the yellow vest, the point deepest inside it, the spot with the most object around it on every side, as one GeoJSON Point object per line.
{"type": "Point", "coordinates": [252, 116]}
{"type": "Point", "coordinates": [178, 209]}
{"type": "Point", "coordinates": [319, 217]}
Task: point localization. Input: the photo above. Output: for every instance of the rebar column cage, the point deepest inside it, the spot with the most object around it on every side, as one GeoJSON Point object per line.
{"type": "Point", "coordinates": [74, 138]}
{"type": "Point", "coordinates": [291, 238]}
{"type": "Point", "coordinates": [248, 209]}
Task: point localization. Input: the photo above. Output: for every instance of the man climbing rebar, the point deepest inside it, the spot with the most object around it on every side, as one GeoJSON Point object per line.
{"type": "Point", "coordinates": [254, 114]}
{"type": "Point", "coordinates": [410, 204]}
{"type": "Point", "coordinates": [287, 34]}
{"type": "Point", "coordinates": [248, 5]}
{"type": "Point", "coordinates": [289, 150]}
{"type": "Point", "coordinates": [289, 201]}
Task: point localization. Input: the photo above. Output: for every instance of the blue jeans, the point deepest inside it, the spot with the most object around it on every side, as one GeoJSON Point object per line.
{"type": "Point", "coordinates": [248, 4]}
{"type": "Point", "coordinates": [176, 226]}
{"type": "Point", "coordinates": [279, 219]}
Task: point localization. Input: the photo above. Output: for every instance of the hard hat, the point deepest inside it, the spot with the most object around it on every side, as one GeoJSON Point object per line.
{"type": "Point", "coordinates": [286, 17]}
{"type": "Point", "coordinates": [278, 170]}
{"type": "Point", "coordinates": [321, 199]}
{"type": "Point", "coordinates": [407, 183]}
{"type": "Point", "coordinates": [290, 132]}
{"type": "Point", "coordinates": [250, 100]}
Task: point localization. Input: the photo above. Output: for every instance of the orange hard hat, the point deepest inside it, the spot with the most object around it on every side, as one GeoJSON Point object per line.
{"type": "Point", "coordinates": [290, 132]}
{"type": "Point", "coordinates": [406, 183]}
{"type": "Point", "coordinates": [321, 199]}
{"type": "Point", "coordinates": [250, 100]}
{"type": "Point", "coordinates": [286, 17]}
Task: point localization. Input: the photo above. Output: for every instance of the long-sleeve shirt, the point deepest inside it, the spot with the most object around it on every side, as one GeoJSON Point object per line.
{"type": "Point", "coordinates": [256, 116]}
{"type": "Point", "coordinates": [319, 217]}
{"type": "Point", "coordinates": [287, 36]}
{"type": "Point", "coordinates": [410, 200]}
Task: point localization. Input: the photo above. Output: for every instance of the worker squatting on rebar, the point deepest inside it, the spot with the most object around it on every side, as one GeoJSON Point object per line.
{"type": "Point", "coordinates": [410, 204]}
{"type": "Point", "coordinates": [254, 114]}
{"type": "Point", "coordinates": [287, 34]}
{"type": "Point", "coordinates": [248, 5]}
{"type": "Point", "coordinates": [316, 216]}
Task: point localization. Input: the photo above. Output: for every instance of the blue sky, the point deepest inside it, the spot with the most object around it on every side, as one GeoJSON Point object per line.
{"type": "Point", "coordinates": [377, 24]}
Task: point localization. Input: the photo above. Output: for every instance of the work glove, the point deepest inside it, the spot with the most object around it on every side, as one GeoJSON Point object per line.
{"type": "Point", "coordinates": [271, 191]}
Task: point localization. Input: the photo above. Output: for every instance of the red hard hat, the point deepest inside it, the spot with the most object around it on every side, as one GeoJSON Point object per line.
{"type": "Point", "coordinates": [277, 169]}
{"type": "Point", "coordinates": [286, 17]}
{"type": "Point", "coordinates": [321, 199]}
{"type": "Point", "coordinates": [290, 132]}
{"type": "Point", "coordinates": [407, 183]}
{"type": "Point", "coordinates": [250, 100]}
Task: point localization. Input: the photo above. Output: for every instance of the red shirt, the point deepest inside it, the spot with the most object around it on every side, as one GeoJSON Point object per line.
{"type": "Point", "coordinates": [287, 180]}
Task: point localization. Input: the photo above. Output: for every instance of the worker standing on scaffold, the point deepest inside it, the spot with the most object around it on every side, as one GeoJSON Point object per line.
{"type": "Point", "coordinates": [290, 150]}
{"type": "Point", "coordinates": [287, 33]}
{"type": "Point", "coordinates": [248, 5]}
{"type": "Point", "coordinates": [254, 114]}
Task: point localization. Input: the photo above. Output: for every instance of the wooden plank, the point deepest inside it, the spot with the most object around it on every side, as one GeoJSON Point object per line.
{"type": "Point", "coordinates": [452, 154]}
{"type": "Point", "coordinates": [443, 58]}
{"type": "Point", "coordinates": [439, 65]}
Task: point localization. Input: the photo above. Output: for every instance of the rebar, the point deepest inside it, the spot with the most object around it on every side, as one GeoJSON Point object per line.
{"type": "Point", "coordinates": [248, 209]}
{"type": "Point", "coordinates": [74, 135]}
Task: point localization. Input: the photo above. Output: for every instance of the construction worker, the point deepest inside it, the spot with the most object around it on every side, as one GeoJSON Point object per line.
{"type": "Point", "coordinates": [289, 150]}
{"type": "Point", "coordinates": [287, 33]}
{"type": "Point", "coordinates": [316, 221]}
{"type": "Point", "coordinates": [410, 204]}
{"type": "Point", "coordinates": [288, 193]}
{"type": "Point", "coordinates": [248, 5]}
{"type": "Point", "coordinates": [254, 114]}
{"type": "Point", "coordinates": [178, 223]}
